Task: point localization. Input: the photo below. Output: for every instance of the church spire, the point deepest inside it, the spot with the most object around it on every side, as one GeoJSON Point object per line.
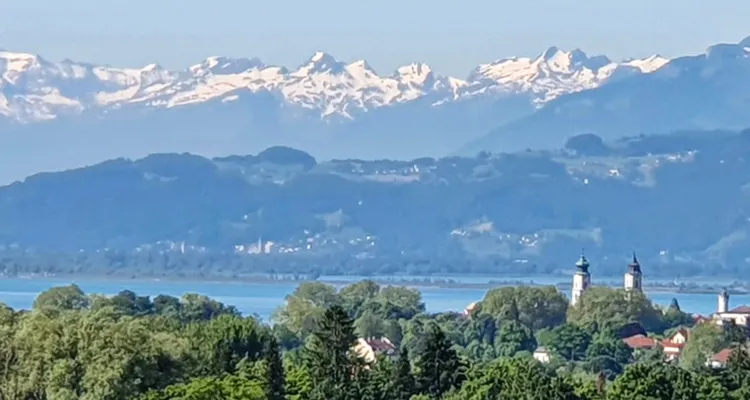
{"type": "Point", "coordinates": [635, 266]}
{"type": "Point", "coordinates": [634, 277]}
{"type": "Point", "coordinates": [583, 264]}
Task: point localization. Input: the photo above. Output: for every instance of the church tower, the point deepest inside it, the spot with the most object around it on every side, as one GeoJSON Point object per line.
{"type": "Point", "coordinates": [723, 302]}
{"type": "Point", "coordinates": [581, 279]}
{"type": "Point", "coordinates": [634, 277]}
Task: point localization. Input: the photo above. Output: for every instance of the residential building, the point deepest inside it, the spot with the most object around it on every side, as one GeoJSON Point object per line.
{"type": "Point", "coordinates": [370, 349]}
{"type": "Point", "coordinates": [542, 355]}
{"type": "Point", "coordinates": [738, 315]}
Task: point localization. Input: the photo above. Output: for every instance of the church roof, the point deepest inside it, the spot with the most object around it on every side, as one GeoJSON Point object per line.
{"type": "Point", "coordinates": [635, 266]}
{"type": "Point", "coordinates": [582, 264]}
{"type": "Point", "coordinates": [640, 342]}
{"type": "Point", "coordinates": [740, 310]}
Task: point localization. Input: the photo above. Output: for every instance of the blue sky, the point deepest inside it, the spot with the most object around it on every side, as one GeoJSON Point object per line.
{"type": "Point", "coordinates": [451, 36]}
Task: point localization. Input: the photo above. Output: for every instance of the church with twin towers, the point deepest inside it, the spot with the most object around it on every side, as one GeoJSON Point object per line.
{"type": "Point", "coordinates": [582, 278]}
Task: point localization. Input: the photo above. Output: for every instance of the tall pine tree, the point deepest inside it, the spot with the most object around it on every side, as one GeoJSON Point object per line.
{"type": "Point", "coordinates": [403, 379]}
{"type": "Point", "coordinates": [275, 380]}
{"type": "Point", "coordinates": [329, 357]}
{"type": "Point", "coordinates": [438, 367]}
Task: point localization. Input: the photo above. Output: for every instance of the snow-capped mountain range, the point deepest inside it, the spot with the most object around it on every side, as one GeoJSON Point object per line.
{"type": "Point", "coordinates": [58, 115]}
{"type": "Point", "coordinates": [34, 89]}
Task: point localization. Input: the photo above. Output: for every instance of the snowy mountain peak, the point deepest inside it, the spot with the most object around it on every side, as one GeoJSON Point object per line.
{"type": "Point", "coordinates": [321, 62]}
{"type": "Point", "coordinates": [647, 65]}
{"type": "Point", "coordinates": [361, 65]}
{"type": "Point", "coordinates": [550, 53]}
{"type": "Point", "coordinates": [414, 70]}
{"type": "Point", "coordinates": [152, 68]}
{"type": "Point", "coordinates": [555, 72]}
{"type": "Point", "coordinates": [321, 56]}
{"type": "Point", "coordinates": [322, 84]}
{"type": "Point", "coordinates": [226, 65]}
{"type": "Point", "coordinates": [13, 65]}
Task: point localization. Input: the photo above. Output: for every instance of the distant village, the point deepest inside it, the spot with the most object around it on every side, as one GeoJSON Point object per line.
{"type": "Point", "coordinates": [671, 346]}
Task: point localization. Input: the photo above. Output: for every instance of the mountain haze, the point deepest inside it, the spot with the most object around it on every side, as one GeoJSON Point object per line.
{"type": "Point", "coordinates": [706, 91]}
{"type": "Point", "coordinates": [678, 199]}
{"type": "Point", "coordinates": [57, 115]}
{"type": "Point", "coordinates": [75, 113]}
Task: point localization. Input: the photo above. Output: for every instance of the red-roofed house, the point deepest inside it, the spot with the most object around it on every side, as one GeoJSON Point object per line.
{"type": "Point", "coordinates": [370, 349]}
{"type": "Point", "coordinates": [700, 319]}
{"type": "Point", "coordinates": [672, 350]}
{"type": "Point", "coordinates": [719, 360]}
{"type": "Point", "coordinates": [674, 344]}
{"type": "Point", "coordinates": [640, 342]}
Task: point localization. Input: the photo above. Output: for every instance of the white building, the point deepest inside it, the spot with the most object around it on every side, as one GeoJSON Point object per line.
{"type": "Point", "coordinates": [581, 279]}
{"type": "Point", "coordinates": [738, 315]}
{"type": "Point", "coordinates": [542, 355]}
{"type": "Point", "coordinates": [674, 345]}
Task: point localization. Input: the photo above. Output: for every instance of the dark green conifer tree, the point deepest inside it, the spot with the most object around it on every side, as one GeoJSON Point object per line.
{"type": "Point", "coordinates": [438, 367]}
{"type": "Point", "coordinates": [330, 359]}
{"type": "Point", "coordinates": [403, 379]}
{"type": "Point", "coordinates": [275, 380]}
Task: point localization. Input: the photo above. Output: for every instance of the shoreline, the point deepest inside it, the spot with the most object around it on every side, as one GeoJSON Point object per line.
{"type": "Point", "coordinates": [690, 286]}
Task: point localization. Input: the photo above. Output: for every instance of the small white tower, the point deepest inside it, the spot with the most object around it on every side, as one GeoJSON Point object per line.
{"type": "Point", "coordinates": [634, 277]}
{"type": "Point", "coordinates": [581, 279]}
{"type": "Point", "coordinates": [723, 302]}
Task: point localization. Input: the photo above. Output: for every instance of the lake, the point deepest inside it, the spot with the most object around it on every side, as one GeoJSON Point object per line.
{"type": "Point", "coordinates": [263, 298]}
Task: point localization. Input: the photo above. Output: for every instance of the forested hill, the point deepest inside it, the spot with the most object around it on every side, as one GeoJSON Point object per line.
{"type": "Point", "coordinates": [680, 200]}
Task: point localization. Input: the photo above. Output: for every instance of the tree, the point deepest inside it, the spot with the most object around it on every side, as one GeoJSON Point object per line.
{"type": "Point", "coordinates": [196, 307]}
{"type": "Point", "coordinates": [438, 367]}
{"type": "Point", "coordinates": [654, 355]}
{"type": "Point", "coordinates": [274, 379]}
{"type": "Point", "coordinates": [659, 381]}
{"type": "Point", "coordinates": [535, 307]}
{"type": "Point", "coordinates": [514, 378]}
{"type": "Point", "coordinates": [396, 302]}
{"type": "Point", "coordinates": [607, 355]}
{"type": "Point", "coordinates": [642, 381]}
{"type": "Point", "coordinates": [62, 298]}
{"type": "Point", "coordinates": [705, 341]}
{"type": "Point", "coordinates": [219, 345]}
{"type": "Point", "coordinates": [329, 358]}
{"type": "Point", "coordinates": [587, 144]}
{"type": "Point", "coordinates": [734, 334]}
{"type": "Point", "coordinates": [9, 357]}
{"type": "Point", "coordinates": [674, 317]}
{"type": "Point", "coordinates": [299, 384]}
{"type": "Point", "coordinates": [210, 388]}
{"type": "Point", "coordinates": [403, 379]}
{"type": "Point", "coordinates": [603, 308]}
{"type": "Point", "coordinates": [570, 342]}
{"type": "Point", "coordinates": [355, 296]}
{"type": "Point", "coordinates": [611, 346]}
{"type": "Point", "coordinates": [512, 338]}
{"type": "Point", "coordinates": [369, 325]}
{"type": "Point", "coordinates": [738, 368]}
{"type": "Point", "coordinates": [305, 306]}
{"type": "Point", "coordinates": [167, 305]}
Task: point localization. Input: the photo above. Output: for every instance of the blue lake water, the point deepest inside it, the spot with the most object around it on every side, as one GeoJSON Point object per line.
{"type": "Point", "coordinates": [263, 298]}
